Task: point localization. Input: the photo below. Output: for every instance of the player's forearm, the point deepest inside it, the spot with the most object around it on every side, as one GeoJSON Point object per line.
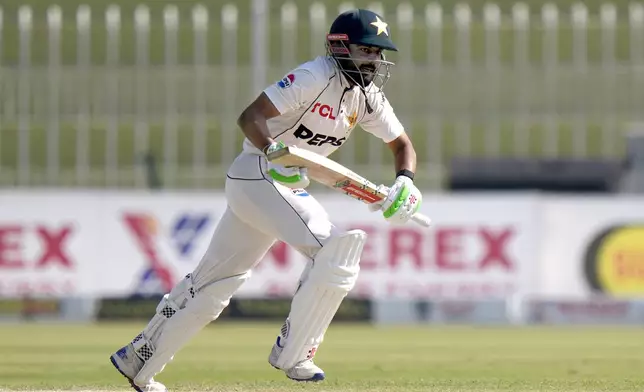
{"type": "Point", "coordinates": [253, 119]}
{"type": "Point", "coordinates": [404, 153]}
{"type": "Point", "coordinates": [405, 157]}
{"type": "Point", "coordinates": [255, 129]}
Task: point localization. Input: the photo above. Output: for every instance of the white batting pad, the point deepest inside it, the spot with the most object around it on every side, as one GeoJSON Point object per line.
{"type": "Point", "coordinates": [177, 330]}
{"type": "Point", "coordinates": [333, 275]}
{"type": "Point", "coordinates": [172, 302]}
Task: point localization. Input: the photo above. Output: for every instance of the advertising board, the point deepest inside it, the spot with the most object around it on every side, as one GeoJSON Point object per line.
{"type": "Point", "coordinates": [591, 311]}
{"type": "Point", "coordinates": [48, 243]}
{"type": "Point", "coordinates": [592, 246]}
{"type": "Point", "coordinates": [446, 311]}
{"type": "Point", "coordinates": [132, 243]}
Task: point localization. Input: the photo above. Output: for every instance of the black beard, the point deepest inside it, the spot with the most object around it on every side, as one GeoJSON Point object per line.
{"type": "Point", "coordinates": [361, 77]}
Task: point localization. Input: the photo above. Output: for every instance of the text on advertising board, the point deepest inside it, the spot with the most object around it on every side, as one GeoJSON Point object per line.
{"type": "Point", "coordinates": [411, 247]}
{"type": "Point", "coordinates": [408, 262]}
{"type": "Point", "coordinates": [31, 253]}
{"type": "Point", "coordinates": [52, 250]}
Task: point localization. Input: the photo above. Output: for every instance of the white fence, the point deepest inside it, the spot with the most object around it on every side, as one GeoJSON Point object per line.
{"type": "Point", "coordinates": [84, 94]}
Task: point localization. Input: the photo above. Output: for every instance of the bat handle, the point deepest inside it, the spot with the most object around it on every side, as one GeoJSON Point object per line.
{"type": "Point", "coordinates": [421, 219]}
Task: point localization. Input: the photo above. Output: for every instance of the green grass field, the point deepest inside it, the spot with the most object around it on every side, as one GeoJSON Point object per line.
{"type": "Point", "coordinates": [232, 357]}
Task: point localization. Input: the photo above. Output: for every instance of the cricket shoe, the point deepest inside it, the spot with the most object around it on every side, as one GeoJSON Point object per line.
{"type": "Point", "coordinates": [129, 364]}
{"type": "Point", "coordinates": [302, 371]}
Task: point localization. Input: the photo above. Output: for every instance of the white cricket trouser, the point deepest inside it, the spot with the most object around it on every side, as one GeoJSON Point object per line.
{"type": "Point", "coordinates": [260, 212]}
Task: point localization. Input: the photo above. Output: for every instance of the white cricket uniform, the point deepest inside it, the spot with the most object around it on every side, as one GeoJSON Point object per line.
{"type": "Point", "coordinates": [318, 111]}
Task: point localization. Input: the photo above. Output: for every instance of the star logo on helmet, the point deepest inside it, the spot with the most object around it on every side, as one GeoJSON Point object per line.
{"type": "Point", "coordinates": [381, 26]}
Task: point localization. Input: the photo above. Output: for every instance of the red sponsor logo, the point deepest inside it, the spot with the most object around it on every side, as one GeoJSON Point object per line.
{"type": "Point", "coordinates": [29, 253]}
{"type": "Point", "coordinates": [444, 249]}
{"type": "Point", "coordinates": [448, 252]}
{"type": "Point", "coordinates": [472, 261]}
{"type": "Point", "coordinates": [337, 37]}
{"type": "Point", "coordinates": [52, 249]}
{"type": "Point", "coordinates": [287, 81]}
{"type": "Point", "coordinates": [323, 110]}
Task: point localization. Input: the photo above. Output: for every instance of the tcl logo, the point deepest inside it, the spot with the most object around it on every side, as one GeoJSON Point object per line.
{"type": "Point", "coordinates": [325, 111]}
{"type": "Point", "coordinates": [16, 252]}
{"type": "Point", "coordinates": [317, 139]}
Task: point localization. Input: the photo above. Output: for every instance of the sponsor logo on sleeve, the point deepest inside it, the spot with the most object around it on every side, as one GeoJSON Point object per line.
{"type": "Point", "coordinates": [287, 81]}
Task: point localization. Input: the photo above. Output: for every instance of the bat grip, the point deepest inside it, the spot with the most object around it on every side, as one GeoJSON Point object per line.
{"type": "Point", "coordinates": [421, 219]}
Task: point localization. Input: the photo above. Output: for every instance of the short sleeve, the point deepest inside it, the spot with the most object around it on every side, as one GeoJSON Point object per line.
{"type": "Point", "coordinates": [298, 88]}
{"type": "Point", "coordinates": [382, 122]}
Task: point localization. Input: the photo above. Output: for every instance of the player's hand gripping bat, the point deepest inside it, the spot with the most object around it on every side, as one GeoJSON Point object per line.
{"type": "Point", "coordinates": [332, 174]}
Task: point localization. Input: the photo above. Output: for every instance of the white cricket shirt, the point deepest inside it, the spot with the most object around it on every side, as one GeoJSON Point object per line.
{"type": "Point", "coordinates": [319, 109]}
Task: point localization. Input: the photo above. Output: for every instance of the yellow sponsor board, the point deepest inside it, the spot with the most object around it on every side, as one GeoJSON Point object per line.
{"type": "Point", "coordinates": [615, 261]}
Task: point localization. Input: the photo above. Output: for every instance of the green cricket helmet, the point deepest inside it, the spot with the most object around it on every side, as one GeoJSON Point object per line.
{"type": "Point", "coordinates": [366, 28]}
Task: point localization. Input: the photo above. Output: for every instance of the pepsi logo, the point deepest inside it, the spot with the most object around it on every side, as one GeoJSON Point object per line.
{"type": "Point", "coordinates": [287, 81]}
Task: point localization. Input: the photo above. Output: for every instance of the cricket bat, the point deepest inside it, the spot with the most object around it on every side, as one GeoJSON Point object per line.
{"type": "Point", "coordinates": [335, 176]}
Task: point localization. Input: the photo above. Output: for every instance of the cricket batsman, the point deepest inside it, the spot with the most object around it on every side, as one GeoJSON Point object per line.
{"type": "Point", "coordinates": [316, 106]}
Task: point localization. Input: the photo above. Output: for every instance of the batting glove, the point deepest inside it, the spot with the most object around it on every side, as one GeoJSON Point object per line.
{"type": "Point", "coordinates": [292, 177]}
{"type": "Point", "coordinates": [402, 202]}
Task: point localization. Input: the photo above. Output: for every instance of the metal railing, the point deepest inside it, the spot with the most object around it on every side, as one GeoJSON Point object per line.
{"type": "Point", "coordinates": [90, 94]}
